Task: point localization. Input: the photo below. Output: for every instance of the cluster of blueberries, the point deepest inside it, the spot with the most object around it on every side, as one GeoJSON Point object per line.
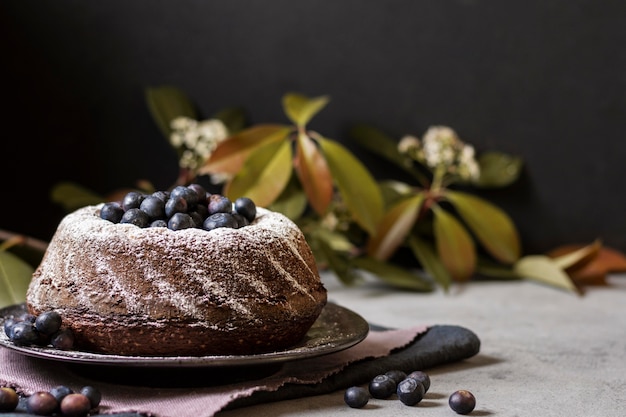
{"type": "Point", "coordinates": [409, 388]}
{"type": "Point", "coordinates": [181, 208]}
{"type": "Point", "coordinates": [60, 400]}
{"type": "Point", "coordinates": [42, 330]}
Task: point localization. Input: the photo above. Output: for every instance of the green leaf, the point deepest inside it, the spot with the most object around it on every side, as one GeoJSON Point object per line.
{"type": "Point", "coordinates": [167, 103]}
{"type": "Point", "coordinates": [394, 227]}
{"type": "Point", "coordinates": [72, 196]}
{"type": "Point", "coordinates": [301, 109]}
{"type": "Point", "coordinates": [337, 261]}
{"type": "Point", "coordinates": [314, 174]}
{"type": "Point", "coordinates": [292, 202]}
{"type": "Point", "coordinates": [233, 118]}
{"type": "Point", "coordinates": [498, 169]}
{"type": "Point", "coordinates": [393, 191]}
{"type": "Point", "coordinates": [427, 257]}
{"type": "Point", "coordinates": [492, 226]}
{"type": "Point", "coordinates": [545, 270]}
{"type": "Point", "coordinates": [454, 245]}
{"type": "Point", "coordinates": [490, 269]}
{"type": "Point", "coordinates": [15, 276]}
{"type": "Point", "coordinates": [230, 155]}
{"type": "Point", "coordinates": [394, 275]}
{"type": "Point", "coordinates": [379, 143]}
{"type": "Point", "coordinates": [356, 185]}
{"type": "Point", "coordinates": [263, 176]}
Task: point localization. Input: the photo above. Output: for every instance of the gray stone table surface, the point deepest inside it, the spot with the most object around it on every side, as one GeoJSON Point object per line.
{"type": "Point", "coordinates": [544, 352]}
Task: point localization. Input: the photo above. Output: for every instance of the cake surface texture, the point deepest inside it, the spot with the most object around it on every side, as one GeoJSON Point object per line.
{"type": "Point", "coordinates": [152, 291]}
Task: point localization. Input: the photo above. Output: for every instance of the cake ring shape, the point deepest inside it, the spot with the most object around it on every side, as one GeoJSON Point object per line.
{"type": "Point", "coordinates": [127, 290]}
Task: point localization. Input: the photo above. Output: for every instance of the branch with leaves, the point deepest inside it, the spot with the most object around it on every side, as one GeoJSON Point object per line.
{"type": "Point", "coordinates": [354, 222]}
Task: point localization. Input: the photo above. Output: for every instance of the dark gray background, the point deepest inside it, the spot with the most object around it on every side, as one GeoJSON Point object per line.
{"type": "Point", "coordinates": [541, 79]}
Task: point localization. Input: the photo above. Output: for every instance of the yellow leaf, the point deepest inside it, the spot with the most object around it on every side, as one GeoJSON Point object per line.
{"type": "Point", "coordinates": [355, 183]}
{"type": "Point", "coordinates": [301, 109]}
{"type": "Point", "coordinates": [573, 258]}
{"type": "Point", "coordinates": [498, 169]}
{"type": "Point", "coordinates": [492, 226]}
{"type": "Point", "coordinates": [264, 175]}
{"type": "Point", "coordinates": [543, 269]}
{"type": "Point", "coordinates": [314, 174]}
{"type": "Point", "coordinates": [427, 257]}
{"type": "Point", "coordinates": [454, 245]}
{"type": "Point", "coordinates": [292, 201]}
{"type": "Point", "coordinates": [394, 227]}
{"type": "Point", "coordinates": [73, 196]}
{"type": "Point", "coordinates": [230, 155]}
{"type": "Point", "coordinates": [15, 276]}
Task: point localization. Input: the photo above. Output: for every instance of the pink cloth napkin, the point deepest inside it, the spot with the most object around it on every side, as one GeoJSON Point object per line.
{"type": "Point", "coordinates": [29, 375]}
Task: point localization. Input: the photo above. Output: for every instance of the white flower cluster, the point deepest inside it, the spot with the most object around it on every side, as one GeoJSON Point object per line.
{"type": "Point", "coordinates": [196, 139]}
{"type": "Point", "coordinates": [442, 149]}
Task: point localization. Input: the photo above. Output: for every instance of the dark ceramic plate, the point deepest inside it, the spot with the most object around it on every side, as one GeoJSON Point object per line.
{"type": "Point", "coordinates": [337, 328]}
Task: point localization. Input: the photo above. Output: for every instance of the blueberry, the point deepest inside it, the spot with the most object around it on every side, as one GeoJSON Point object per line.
{"type": "Point", "coordinates": [75, 405]}
{"type": "Point", "coordinates": [41, 403]}
{"type": "Point", "coordinates": [60, 391]}
{"type": "Point", "coordinates": [356, 397]}
{"type": "Point", "coordinates": [200, 192]}
{"type": "Point", "coordinates": [202, 210]}
{"type": "Point", "coordinates": [197, 218]}
{"type": "Point", "coordinates": [218, 203]}
{"type": "Point", "coordinates": [241, 221]}
{"type": "Point", "coordinates": [135, 216]}
{"type": "Point", "coordinates": [246, 207]}
{"type": "Point", "coordinates": [112, 212]}
{"type": "Point", "coordinates": [63, 339]}
{"type": "Point", "coordinates": [153, 206]}
{"type": "Point", "coordinates": [48, 322]}
{"type": "Point", "coordinates": [24, 333]}
{"type": "Point", "coordinates": [93, 394]}
{"type": "Point", "coordinates": [422, 377]}
{"type": "Point", "coordinates": [396, 374]}
{"type": "Point", "coordinates": [158, 223]}
{"type": "Point", "coordinates": [410, 391]}
{"type": "Point", "coordinates": [132, 200]}
{"type": "Point", "coordinates": [30, 318]}
{"type": "Point", "coordinates": [188, 194]}
{"type": "Point", "coordinates": [175, 205]}
{"type": "Point", "coordinates": [217, 220]}
{"type": "Point", "coordinates": [180, 221]}
{"type": "Point", "coordinates": [382, 386]}
{"type": "Point", "coordinates": [161, 195]}
{"type": "Point", "coordinates": [8, 326]}
{"type": "Point", "coordinates": [180, 191]}
{"type": "Point", "coordinates": [8, 399]}
{"type": "Point", "coordinates": [462, 401]}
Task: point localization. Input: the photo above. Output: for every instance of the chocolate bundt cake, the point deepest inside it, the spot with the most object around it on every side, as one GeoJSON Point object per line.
{"type": "Point", "coordinates": [154, 291]}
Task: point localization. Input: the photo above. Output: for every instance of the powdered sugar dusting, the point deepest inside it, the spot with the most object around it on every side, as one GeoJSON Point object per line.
{"type": "Point", "coordinates": [217, 277]}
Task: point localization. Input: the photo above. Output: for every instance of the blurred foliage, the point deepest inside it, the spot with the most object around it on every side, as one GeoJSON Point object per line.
{"type": "Point", "coordinates": [354, 223]}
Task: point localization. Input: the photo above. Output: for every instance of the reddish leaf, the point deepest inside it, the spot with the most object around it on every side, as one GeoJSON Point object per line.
{"type": "Point", "coordinates": [313, 173]}
{"type": "Point", "coordinates": [230, 154]}
{"type": "Point", "coordinates": [454, 245]}
{"type": "Point", "coordinates": [394, 227]}
{"type": "Point", "coordinates": [593, 270]}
